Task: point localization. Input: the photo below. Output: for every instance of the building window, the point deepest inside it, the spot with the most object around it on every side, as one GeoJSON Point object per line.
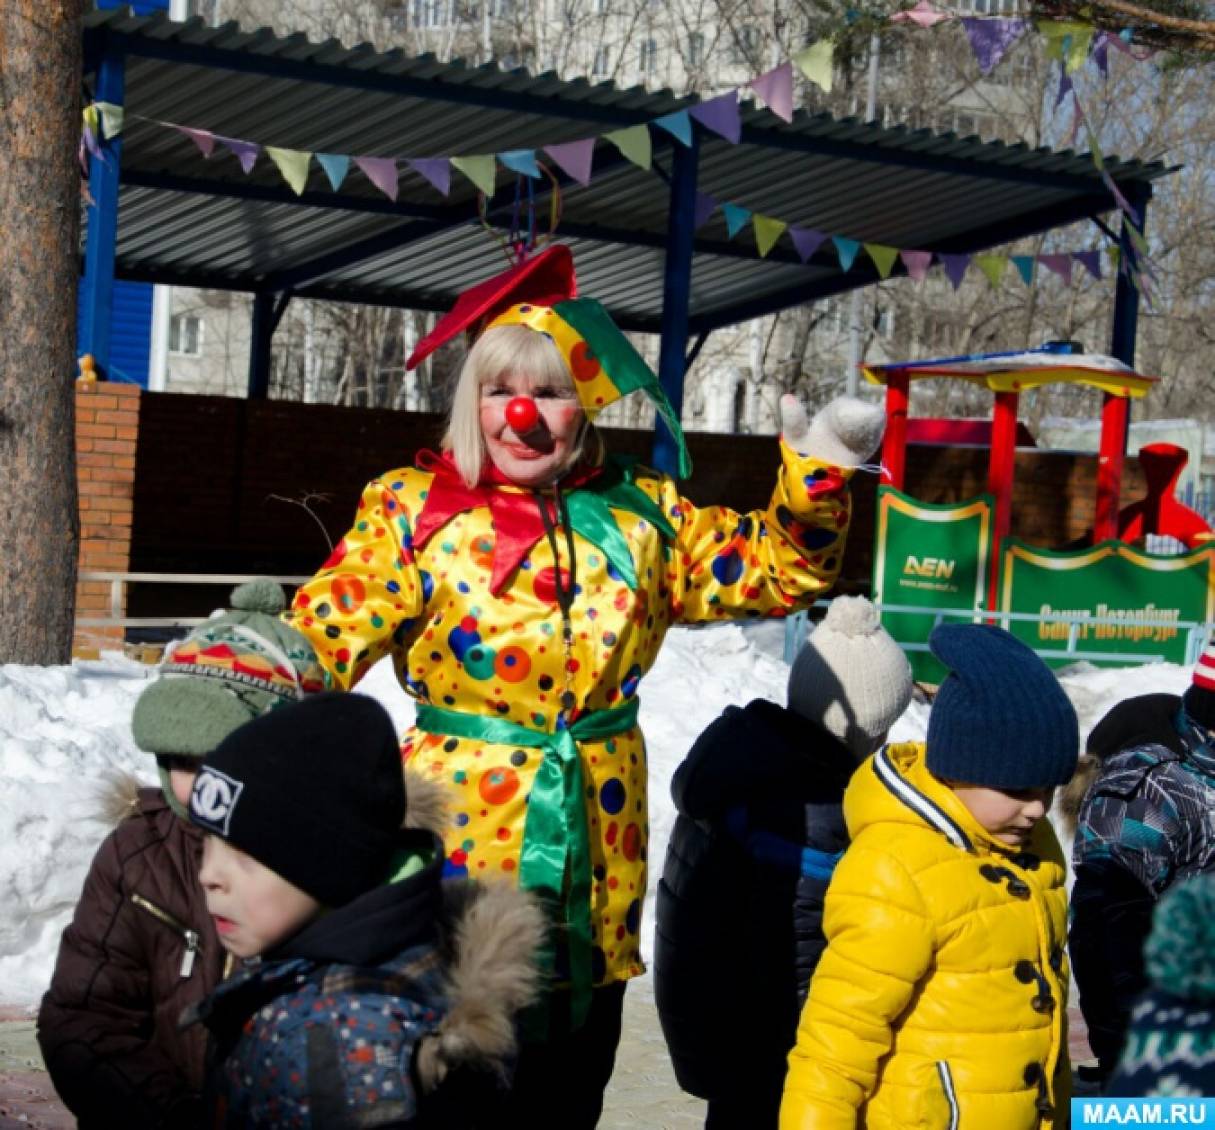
{"type": "Point", "coordinates": [746, 41]}
{"type": "Point", "coordinates": [696, 49]}
{"type": "Point", "coordinates": [648, 59]}
{"type": "Point", "coordinates": [430, 13]}
{"type": "Point", "coordinates": [602, 62]}
{"type": "Point", "coordinates": [185, 334]}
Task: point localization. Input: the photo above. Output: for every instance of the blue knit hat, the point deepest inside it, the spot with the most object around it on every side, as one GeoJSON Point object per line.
{"type": "Point", "coordinates": [1000, 718]}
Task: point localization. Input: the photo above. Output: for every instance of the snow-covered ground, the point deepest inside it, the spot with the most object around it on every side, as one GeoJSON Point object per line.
{"type": "Point", "coordinates": [64, 730]}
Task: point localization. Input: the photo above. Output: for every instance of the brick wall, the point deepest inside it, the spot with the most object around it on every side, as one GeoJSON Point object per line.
{"type": "Point", "coordinates": [219, 482]}
{"type": "Point", "coordinates": [107, 430]}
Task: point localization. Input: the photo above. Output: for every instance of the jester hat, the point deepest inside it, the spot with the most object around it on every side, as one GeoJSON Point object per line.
{"type": "Point", "coordinates": [541, 294]}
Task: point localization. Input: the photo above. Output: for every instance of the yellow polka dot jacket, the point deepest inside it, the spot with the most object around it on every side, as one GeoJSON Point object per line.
{"type": "Point", "coordinates": [534, 729]}
{"type": "Point", "coordinates": [941, 998]}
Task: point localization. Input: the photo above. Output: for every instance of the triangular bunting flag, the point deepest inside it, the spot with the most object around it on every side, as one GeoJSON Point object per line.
{"type": "Point", "coordinates": [846, 249]}
{"type": "Point", "coordinates": [1101, 53]}
{"type": "Point", "coordinates": [922, 15]}
{"type": "Point", "coordinates": [92, 127]}
{"type": "Point", "coordinates": [634, 143]}
{"type": "Point", "coordinates": [1025, 267]}
{"type": "Point", "coordinates": [111, 118]}
{"type": "Point", "coordinates": [817, 63]}
{"type": "Point", "coordinates": [1065, 87]}
{"type": "Point", "coordinates": [776, 89]}
{"type": "Point", "coordinates": [1114, 254]}
{"type": "Point", "coordinates": [1061, 264]}
{"type": "Point", "coordinates": [293, 164]}
{"type": "Point", "coordinates": [991, 39]}
{"type": "Point", "coordinates": [883, 257]}
{"type": "Point", "coordinates": [336, 166]}
{"type": "Point", "coordinates": [955, 267]}
{"type": "Point", "coordinates": [678, 125]}
{"type": "Point", "coordinates": [720, 114]}
{"type": "Point", "coordinates": [1067, 40]}
{"type": "Point", "coordinates": [382, 172]}
{"type": "Point", "coordinates": [993, 266]}
{"type": "Point", "coordinates": [807, 241]}
{"type": "Point", "coordinates": [1124, 205]}
{"type": "Point", "coordinates": [435, 170]}
{"type": "Point", "coordinates": [574, 158]}
{"type": "Point", "coordinates": [479, 170]}
{"type": "Point", "coordinates": [1090, 261]}
{"type": "Point", "coordinates": [244, 151]}
{"type": "Point", "coordinates": [1094, 149]}
{"type": "Point", "coordinates": [705, 207]}
{"type": "Point", "coordinates": [203, 138]}
{"type": "Point", "coordinates": [767, 232]}
{"type": "Point", "coordinates": [521, 161]}
{"type": "Point", "coordinates": [917, 263]}
{"type": "Point", "coordinates": [736, 217]}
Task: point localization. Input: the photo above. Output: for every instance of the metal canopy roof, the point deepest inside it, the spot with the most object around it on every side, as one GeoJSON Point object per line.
{"type": "Point", "coordinates": [189, 221]}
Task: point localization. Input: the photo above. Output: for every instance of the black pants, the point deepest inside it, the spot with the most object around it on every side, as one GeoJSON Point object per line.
{"type": "Point", "coordinates": [559, 1082]}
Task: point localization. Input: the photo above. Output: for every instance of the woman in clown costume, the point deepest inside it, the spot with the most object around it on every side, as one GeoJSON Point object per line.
{"type": "Point", "coordinates": [522, 582]}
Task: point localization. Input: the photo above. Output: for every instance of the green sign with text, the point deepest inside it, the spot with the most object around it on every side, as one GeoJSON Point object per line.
{"type": "Point", "coordinates": [929, 557]}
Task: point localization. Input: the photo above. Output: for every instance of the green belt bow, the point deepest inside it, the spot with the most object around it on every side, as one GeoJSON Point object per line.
{"type": "Point", "coordinates": [555, 830]}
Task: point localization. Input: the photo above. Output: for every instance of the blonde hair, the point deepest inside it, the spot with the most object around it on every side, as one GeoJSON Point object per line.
{"type": "Point", "coordinates": [497, 352]}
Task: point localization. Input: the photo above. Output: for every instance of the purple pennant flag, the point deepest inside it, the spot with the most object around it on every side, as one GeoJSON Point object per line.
{"type": "Point", "coordinates": [705, 206]}
{"type": "Point", "coordinates": [244, 151]}
{"type": "Point", "coordinates": [720, 114]}
{"type": "Point", "coordinates": [955, 267]}
{"type": "Point", "coordinates": [436, 170]}
{"type": "Point", "coordinates": [1065, 86]}
{"type": "Point", "coordinates": [203, 138]}
{"type": "Point", "coordinates": [574, 158]}
{"type": "Point", "coordinates": [90, 143]}
{"type": "Point", "coordinates": [1101, 53]}
{"type": "Point", "coordinates": [806, 241]}
{"type": "Point", "coordinates": [1061, 264]}
{"type": "Point", "coordinates": [382, 172]}
{"type": "Point", "coordinates": [917, 263]}
{"type": "Point", "coordinates": [1124, 205]}
{"type": "Point", "coordinates": [991, 39]}
{"type": "Point", "coordinates": [1090, 260]}
{"type": "Point", "coordinates": [776, 89]}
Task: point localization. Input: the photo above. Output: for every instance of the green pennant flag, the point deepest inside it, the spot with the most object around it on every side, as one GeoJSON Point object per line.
{"type": "Point", "coordinates": [480, 170]}
{"type": "Point", "coordinates": [1067, 41]}
{"type": "Point", "coordinates": [817, 63]}
{"type": "Point", "coordinates": [634, 143]}
{"type": "Point", "coordinates": [883, 257]}
{"type": "Point", "coordinates": [993, 266]}
{"type": "Point", "coordinates": [293, 164]}
{"type": "Point", "coordinates": [767, 232]}
{"type": "Point", "coordinates": [1114, 253]}
{"type": "Point", "coordinates": [111, 118]}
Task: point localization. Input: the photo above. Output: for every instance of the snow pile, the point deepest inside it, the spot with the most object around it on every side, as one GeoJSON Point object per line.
{"type": "Point", "coordinates": [64, 730]}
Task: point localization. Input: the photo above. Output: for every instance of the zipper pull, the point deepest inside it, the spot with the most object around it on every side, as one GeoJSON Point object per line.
{"type": "Point", "coordinates": [187, 958]}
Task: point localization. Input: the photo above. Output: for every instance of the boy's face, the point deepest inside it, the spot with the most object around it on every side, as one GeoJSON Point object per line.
{"type": "Point", "coordinates": [1009, 816]}
{"type": "Point", "coordinates": [254, 908]}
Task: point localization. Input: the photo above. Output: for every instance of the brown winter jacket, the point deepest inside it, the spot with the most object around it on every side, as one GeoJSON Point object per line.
{"type": "Point", "coordinates": [140, 948]}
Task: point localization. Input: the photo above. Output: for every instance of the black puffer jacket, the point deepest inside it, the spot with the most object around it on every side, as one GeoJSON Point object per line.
{"type": "Point", "coordinates": [740, 902]}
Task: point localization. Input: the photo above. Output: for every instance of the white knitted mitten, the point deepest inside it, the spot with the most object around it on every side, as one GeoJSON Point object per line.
{"type": "Point", "coordinates": [844, 432]}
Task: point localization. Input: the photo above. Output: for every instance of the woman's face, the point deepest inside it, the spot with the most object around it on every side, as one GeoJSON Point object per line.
{"type": "Point", "coordinates": [538, 457]}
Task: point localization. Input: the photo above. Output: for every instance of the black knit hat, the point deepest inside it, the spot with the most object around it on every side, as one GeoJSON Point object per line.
{"type": "Point", "coordinates": [313, 790]}
{"type": "Point", "coordinates": [1000, 719]}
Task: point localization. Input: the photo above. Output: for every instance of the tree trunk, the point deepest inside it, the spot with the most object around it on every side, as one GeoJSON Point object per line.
{"type": "Point", "coordinates": [40, 43]}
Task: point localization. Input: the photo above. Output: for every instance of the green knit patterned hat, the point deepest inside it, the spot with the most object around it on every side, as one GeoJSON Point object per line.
{"type": "Point", "coordinates": [1179, 955]}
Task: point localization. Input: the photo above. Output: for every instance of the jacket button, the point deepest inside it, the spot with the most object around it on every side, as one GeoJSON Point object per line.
{"type": "Point", "coordinates": [991, 873]}
{"type": "Point", "coordinates": [1043, 1002]}
{"type": "Point", "coordinates": [1056, 958]}
{"type": "Point", "coordinates": [1018, 888]}
{"type": "Point", "coordinates": [1032, 1074]}
{"type": "Point", "coordinates": [1025, 972]}
{"type": "Point", "coordinates": [1044, 1107]}
{"type": "Point", "coordinates": [1027, 861]}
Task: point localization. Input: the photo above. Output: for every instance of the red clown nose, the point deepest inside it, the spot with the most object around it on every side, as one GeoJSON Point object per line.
{"type": "Point", "coordinates": [522, 415]}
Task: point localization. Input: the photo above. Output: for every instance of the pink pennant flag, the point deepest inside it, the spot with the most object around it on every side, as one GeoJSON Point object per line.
{"type": "Point", "coordinates": [244, 151]}
{"type": "Point", "coordinates": [776, 89]}
{"type": "Point", "coordinates": [720, 114]}
{"type": "Point", "coordinates": [574, 158]}
{"type": "Point", "coordinates": [203, 138]}
{"type": "Point", "coordinates": [1061, 264]}
{"type": "Point", "coordinates": [382, 172]}
{"type": "Point", "coordinates": [922, 15]}
{"type": "Point", "coordinates": [806, 241]}
{"type": "Point", "coordinates": [917, 264]}
{"type": "Point", "coordinates": [436, 170]}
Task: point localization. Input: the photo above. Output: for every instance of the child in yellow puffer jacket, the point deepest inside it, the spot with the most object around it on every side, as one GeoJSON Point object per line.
{"type": "Point", "coordinates": [941, 999]}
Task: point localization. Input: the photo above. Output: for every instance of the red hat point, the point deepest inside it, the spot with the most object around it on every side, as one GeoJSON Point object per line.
{"type": "Point", "coordinates": [544, 279]}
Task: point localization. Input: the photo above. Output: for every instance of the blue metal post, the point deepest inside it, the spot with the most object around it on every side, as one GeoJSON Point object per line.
{"type": "Point", "coordinates": [97, 294]}
{"type": "Point", "coordinates": [259, 344]}
{"type": "Point", "coordinates": [676, 295]}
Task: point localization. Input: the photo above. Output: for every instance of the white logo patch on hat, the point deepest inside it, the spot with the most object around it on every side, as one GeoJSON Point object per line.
{"type": "Point", "coordinates": [213, 800]}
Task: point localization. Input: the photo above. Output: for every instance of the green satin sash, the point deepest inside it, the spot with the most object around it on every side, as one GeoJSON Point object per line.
{"type": "Point", "coordinates": [555, 830]}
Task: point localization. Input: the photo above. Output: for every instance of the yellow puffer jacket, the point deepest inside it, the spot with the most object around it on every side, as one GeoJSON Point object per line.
{"type": "Point", "coordinates": [941, 999]}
